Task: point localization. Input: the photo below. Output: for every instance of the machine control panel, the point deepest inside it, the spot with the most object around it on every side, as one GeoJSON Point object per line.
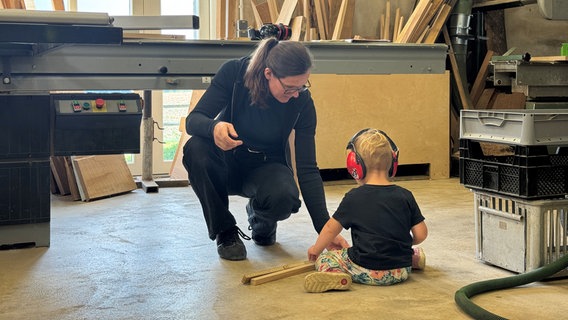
{"type": "Point", "coordinates": [96, 123]}
{"type": "Point", "coordinates": [85, 105]}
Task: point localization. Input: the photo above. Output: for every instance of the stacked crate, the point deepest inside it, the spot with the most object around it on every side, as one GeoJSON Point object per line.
{"type": "Point", "coordinates": [516, 163]}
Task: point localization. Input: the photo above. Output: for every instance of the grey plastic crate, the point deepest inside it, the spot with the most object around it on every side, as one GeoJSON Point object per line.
{"type": "Point", "coordinates": [520, 235]}
{"type": "Point", "coordinates": [516, 126]}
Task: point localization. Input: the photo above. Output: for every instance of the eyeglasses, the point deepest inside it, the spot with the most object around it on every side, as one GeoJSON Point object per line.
{"type": "Point", "coordinates": [288, 90]}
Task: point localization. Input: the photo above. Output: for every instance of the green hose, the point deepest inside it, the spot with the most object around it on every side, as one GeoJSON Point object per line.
{"type": "Point", "coordinates": [462, 295]}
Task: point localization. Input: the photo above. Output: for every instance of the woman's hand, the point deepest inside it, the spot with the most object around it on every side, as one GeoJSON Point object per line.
{"type": "Point", "coordinates": [225, 136]}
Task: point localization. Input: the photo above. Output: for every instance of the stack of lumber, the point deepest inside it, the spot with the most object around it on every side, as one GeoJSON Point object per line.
{"type": "Point", "coordinates": [91, 177]}
{"type": "Point", "coordinates": [28, 4]}
{"type": "Point", "coordinates": [334, 19]}
{"type": "Point", "coordinates": [308, 19]}
{"type": "Point", "coordinates": [425, 22]}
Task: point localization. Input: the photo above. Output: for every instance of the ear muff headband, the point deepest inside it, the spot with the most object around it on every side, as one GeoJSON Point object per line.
{"type": "Point", "coordinates": [355, 164]}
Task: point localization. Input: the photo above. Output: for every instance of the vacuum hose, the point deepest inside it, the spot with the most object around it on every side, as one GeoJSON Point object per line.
{"type": "Point", "coordinates": [462, 295]}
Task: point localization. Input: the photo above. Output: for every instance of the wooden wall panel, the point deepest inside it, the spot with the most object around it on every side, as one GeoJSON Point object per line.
{"type": "Point", "coordinates": [412, 109]}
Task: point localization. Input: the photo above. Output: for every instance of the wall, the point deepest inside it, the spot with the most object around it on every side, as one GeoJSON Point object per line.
{"type": "Point", "coordinates": [529, 31]}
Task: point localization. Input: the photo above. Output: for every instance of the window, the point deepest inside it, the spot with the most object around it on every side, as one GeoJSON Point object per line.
{"type": "Point", "coordinates": [176, 102]}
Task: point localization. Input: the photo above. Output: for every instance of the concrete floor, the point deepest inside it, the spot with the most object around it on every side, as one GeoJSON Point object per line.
{"type": "Point", "coordinates": [147, 256]}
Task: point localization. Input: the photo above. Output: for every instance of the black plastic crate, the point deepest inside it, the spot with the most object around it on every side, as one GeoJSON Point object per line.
{"type": "Point", "coordinates": [24, 192]}
{"type": "Point", "coordinates": [24, 126]}
{"type": "Point", "coordinates": [529, 172]}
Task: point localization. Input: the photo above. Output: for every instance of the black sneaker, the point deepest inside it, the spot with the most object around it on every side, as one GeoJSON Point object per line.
{"type": "Point", "coordinates": [230, 246]}
{"type": "Point", "coordinates": [260, 239]}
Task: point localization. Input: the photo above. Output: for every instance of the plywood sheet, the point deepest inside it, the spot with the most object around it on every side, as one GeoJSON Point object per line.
{"type": "Point", "coordinates": [413, 109]}
{"type": "Point", "coordinates": [102, 175]}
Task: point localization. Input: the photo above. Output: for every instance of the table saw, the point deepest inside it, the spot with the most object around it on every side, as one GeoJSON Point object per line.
{"type": "Point", "coordinates": [69, 52]}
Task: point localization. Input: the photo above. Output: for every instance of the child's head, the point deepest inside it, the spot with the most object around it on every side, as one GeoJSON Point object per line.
{"type": "Point", "coordinates": [371, 149]}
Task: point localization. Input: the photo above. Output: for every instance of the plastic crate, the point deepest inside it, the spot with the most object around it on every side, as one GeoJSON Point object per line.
{"type": "Point", "coordinates": [520, 235]}
{"type": "Point", "coordinates": [24, 192]}
{"type": "Point", "coordinates": [528, 172]}
{"type": "Point", "coordinates": [520, 127]}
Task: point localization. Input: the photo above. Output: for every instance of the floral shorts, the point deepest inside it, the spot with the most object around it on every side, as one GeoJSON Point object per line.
{"type": "Point", "coordinates": [338, 261]}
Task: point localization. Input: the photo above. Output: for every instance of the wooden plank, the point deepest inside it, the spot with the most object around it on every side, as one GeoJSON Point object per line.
{"type": "Point", "coordinates": [257, 18]}
{"type": "Point", "coordinates": [232, 17]}
{"type": "Point", "coordinates": [264, 12]}
{"type": "Point", "coordinates": [14, 4]}
{"type": "Point", "coordinates": [333, 7]}
{"type": "Point", "coordinates": [314, 35]}
{"type": "Point", "coordinates": [57, 164]}
{"type": "Point", "coordinates": [221, 21]}
{"type": "Point", "coordinates": [396, 24]}
{"type": "Point", "coordinates": [307, 19]}
{"type": "Point", "coordinates": [400, 26]}
{"type": "Point", "coordinates": [152, 36]}
{"type": "Point", "coordinates": [439, 22]}
{"type": "Point", "coordinates": [515, 100]}
{"type": "Point", "coordinates": [52, 184]}
{"type": "Point", "coordinates": [58, 5]}
{"type": "Point", "coordinates": [298, 28]}
{"type": "Point", "coordinates": [347, 30]}
{"type": "Point", "coordinates": [326, 21]}
{"type": "Point", "coordinates": [413, 20]}
{"type": "Point", "coordinates": [464, 95]}
{"type": "Point", "coordinates": [340, 20]}
{"type": "Point", "coordinates": [287, 11]}
{"type": "Point", "coordinates": [381, 31]}
{"type": "Point", "coordinates": [432, 12]}
{"type": "Point", "coordinates": [282, 274]}
{"type": "Point", "coordinates": [247, 277]}
{"type": "Point", "coordinates": [320, 19]}
{"type": "Point", "coordinates": [72, 180]}
{"type": "Point", "coordinates": [273, 9]}
{"type": "Point", "coordinates": [550, 59]}
{"type": "Point", "coordinates": [483, 102]}
{"type": "Point", "coordinates": [480, 79]}
{"type": "Point", "coordinates": [422, 22]}
{"type": "Point", "coordinates": [386, 33]}
{"type": "Point", "coordinates": [102, 176]}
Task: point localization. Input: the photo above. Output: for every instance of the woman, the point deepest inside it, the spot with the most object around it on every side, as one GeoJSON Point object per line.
{"type": "Point", "coordinates": [239, 146]}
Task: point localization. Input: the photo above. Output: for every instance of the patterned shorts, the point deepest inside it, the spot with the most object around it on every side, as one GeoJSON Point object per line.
{"type": "Point", "coordinates": [338, 261]}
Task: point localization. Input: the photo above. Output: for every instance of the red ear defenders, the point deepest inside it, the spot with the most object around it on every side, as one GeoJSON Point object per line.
{"type": "Point", "coordinates": [356, 165]}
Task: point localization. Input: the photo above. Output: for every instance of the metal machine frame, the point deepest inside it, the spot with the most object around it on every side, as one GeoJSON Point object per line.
{"type": "Point", "coordinates": [44, 58]}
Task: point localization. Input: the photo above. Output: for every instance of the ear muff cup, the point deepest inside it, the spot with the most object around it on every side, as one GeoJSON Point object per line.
{"type": "Point", "coordinates": [355, 165]}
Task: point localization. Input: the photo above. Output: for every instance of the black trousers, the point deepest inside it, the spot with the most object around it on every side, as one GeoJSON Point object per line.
{"type": "Point", "coordinates": [215, 174]}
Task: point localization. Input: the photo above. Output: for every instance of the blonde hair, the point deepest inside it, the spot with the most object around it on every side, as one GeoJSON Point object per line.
{"type": "Point", "coordinates": [284, 58]}
{"type": "Point", "coordinates": [375, 150]}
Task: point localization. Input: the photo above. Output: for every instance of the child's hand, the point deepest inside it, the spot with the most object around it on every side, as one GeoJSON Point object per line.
{"type": "Point", "coordinates": [313, 254]}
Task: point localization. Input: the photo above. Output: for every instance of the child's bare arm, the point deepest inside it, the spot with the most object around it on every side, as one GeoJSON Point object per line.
{"type": "Point", "coordinates": [419, 232]}
{"type": "Point", "coordinates": [328, 233]}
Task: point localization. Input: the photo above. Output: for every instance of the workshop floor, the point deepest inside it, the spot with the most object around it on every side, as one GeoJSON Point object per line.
{"type": "Point", "coordinates": [147, 256]}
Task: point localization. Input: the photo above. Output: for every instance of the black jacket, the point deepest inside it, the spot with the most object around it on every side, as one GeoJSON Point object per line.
{"type": "Point", "coordinates": [223, 99]}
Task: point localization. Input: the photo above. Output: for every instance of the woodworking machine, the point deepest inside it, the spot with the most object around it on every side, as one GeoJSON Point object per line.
{"type": "Point", "coordinates": [44, 52]}
{"type": "Point", "coordinates": [544, 83]}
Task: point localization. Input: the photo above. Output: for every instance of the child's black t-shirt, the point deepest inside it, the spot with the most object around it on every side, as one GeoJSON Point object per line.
{"type": "Point", "coordinates": [380, 219]}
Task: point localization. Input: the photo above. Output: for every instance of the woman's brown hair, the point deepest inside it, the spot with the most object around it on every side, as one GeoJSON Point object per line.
{"type": "Point", "coordinates": [284, 58]}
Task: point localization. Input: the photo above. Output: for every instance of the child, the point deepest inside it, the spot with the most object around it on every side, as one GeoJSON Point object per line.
{"type": "Point", "coordinates": [385, 223]}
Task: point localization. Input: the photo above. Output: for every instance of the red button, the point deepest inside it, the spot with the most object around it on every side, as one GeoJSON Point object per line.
{"type": "Point", "coordinates": [99, 103]}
